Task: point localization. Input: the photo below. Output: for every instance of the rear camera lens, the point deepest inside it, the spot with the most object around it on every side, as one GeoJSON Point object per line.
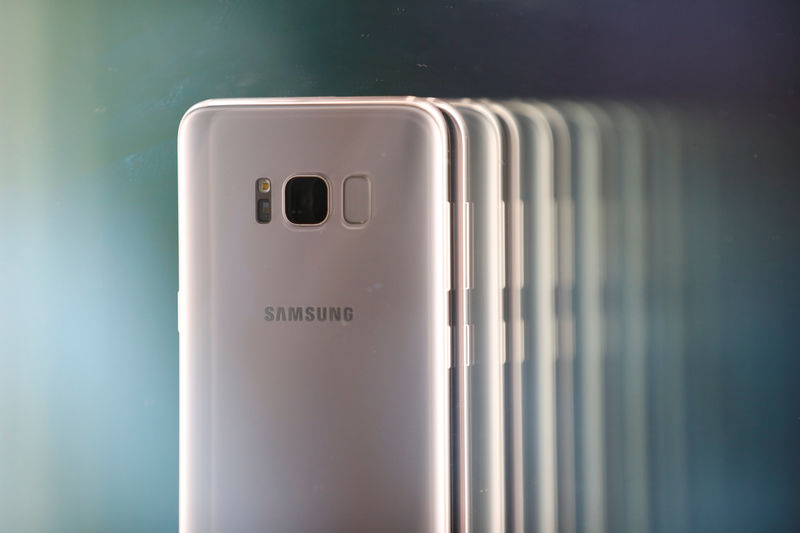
{"type": "Point", "coordinates": [306, 200]}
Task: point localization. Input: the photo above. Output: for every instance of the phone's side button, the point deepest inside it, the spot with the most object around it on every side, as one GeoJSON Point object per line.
{"type": "Point", "coordinates": [470, 348]}
{"type": "Point", "coordinates": [504, 344]}
{"type": "Point", "coordinates": [451, 308]}
{"type": "Point", "coordinates": [469, 235]}
{"type": "Point", "coordinates": [448, 348]}
{"type": "Point", "coordinates": [179, 312]}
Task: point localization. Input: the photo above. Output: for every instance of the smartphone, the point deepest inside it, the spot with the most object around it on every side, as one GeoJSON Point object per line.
{"type": "Point", "coordinates": [666, 368]}
{"type": "Point", "coordinates": [513, 324]}
{"type": "Point", "coordinates": [315, 339]}
{"type": "Point", "coordinates": [589, 130]}
{"type": "Point", "coordinates": [563, 344]}
{"type": "Point", "coordinates": [626, 329]}
{"type": "Point", "coordinates": [460, 327]}
{"type": "Point", "coordinates": [538, 303]}
{"type": "Point", "coordinates": [482, 377]}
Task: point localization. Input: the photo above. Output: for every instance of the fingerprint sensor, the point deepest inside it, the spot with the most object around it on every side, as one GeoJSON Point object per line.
{"type": "Point", "coordinates": [356, 200]}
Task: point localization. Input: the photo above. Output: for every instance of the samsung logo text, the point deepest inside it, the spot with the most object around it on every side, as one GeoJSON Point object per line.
{"type": "Point", "coordinates": [308, 314]}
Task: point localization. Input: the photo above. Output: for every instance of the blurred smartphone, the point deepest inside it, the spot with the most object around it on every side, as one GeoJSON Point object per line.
{"type": "Point", "coordinates": [666, 369]}
{"type": "Point", "coordinates": [563, 345]}
{"type": "Point", "coordinates": [513, 325]}
{"type": "Point", "coordinates": [626, 329]}
{"type": "Point", "coordinates": [315, 345]}
{"type": "Point", "coordinates": [538, 302]}
{"type": "Point", "coordinates": [590, 131]}
{"type": "Point", "coordinates": [483, 491]}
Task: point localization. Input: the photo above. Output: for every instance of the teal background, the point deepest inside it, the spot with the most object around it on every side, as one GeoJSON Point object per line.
{"type": "Point", "coordinates": [91, 94]}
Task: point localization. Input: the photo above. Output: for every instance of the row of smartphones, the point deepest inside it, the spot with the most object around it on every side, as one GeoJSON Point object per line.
{"type": "Point", "coordinates": [489, 258]}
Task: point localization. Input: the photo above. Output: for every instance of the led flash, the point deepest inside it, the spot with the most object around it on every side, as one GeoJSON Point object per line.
{"type": "Point", "coordinates": [263, 185]}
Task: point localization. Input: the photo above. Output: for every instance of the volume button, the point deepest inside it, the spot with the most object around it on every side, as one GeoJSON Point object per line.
{"type": "Point", "coordinates": [179, 312]}
{"type": "Point", "coordinates": [470, 340]}
{"type": "Point", "coordinates": [468, 244]}
{"type": "Point", "coordinates": [449, 330]}
{"type": "Point", "coordinates": [470, 258]}
{"type": "Point", "coordinates": [451, 308]}
{"type": "Point", "coordinates": [448, 348]}
{"type": "Point", "coordinates": [504, 345]}
{"type": "Point", "coordinates": [468, 306]}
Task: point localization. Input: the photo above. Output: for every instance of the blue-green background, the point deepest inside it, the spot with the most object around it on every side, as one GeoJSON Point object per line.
{"type": "Point", "coordinates": [90, 98]}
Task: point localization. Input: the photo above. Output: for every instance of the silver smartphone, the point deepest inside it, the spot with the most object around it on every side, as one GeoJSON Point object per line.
{"type": "Point", "coordinates": [315, 338]}
{"type": "Point", "coordinates": [666, 368]}
{"type": "Point", "coordinates": [625, 332]}
{"type": "Point", "coordinates": [482, 488]}
{"type": "Point", "coordinates": [513, 324]}
{"type": "Point", "coordinates": [589, 130]}
{"type": "Point", "coordinates": [562, 280]}
{"type": "Point", "coordinates": [461, 334]}
{"type": "Point", "coordinates": [538, 303]}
